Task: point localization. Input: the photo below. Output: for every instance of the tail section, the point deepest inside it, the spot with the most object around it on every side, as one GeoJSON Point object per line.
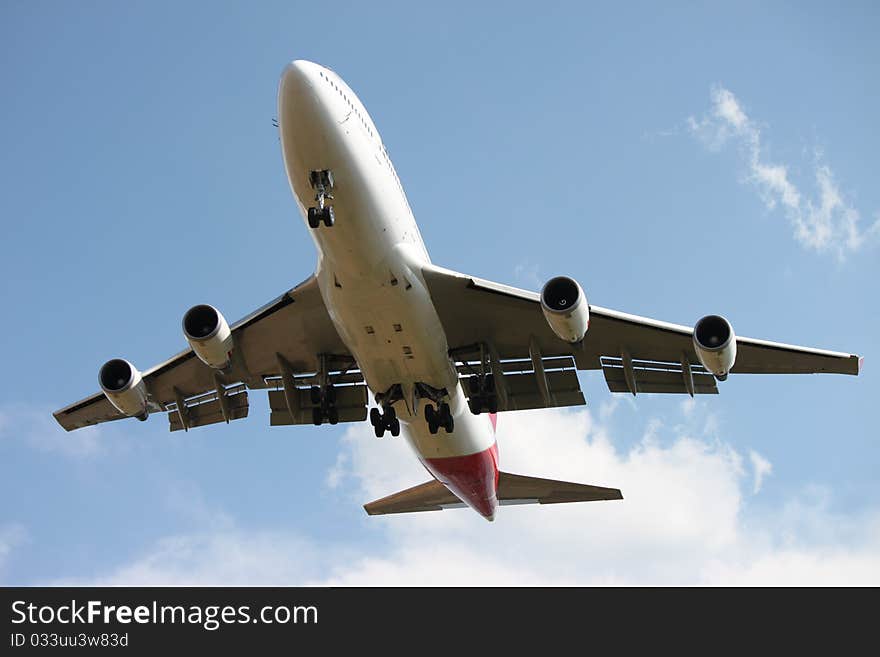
{"type": "Point", "coordinates": [519, 489]}
{"type": "Point", "coordinates": [512, 489]}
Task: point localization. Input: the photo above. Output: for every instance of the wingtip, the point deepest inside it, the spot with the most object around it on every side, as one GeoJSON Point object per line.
{"type": "Point", "coordinates": [861, 365]}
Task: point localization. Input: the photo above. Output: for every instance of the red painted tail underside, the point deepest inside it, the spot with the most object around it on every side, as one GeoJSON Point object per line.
{"type": "Point", "coordinates": [473, 478]}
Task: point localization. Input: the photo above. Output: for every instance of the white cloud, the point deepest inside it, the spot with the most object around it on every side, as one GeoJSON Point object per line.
{"type": "Point", "coordinates": [688, 405]}
{"type": "Point", "coordinates": [337, 472]}
{"type": "Point", "coordinates": [528, 274]}
{"type": "Point", "coordinates": [685, 519]}
{"type": "Point", "coordinates": [36, 428]}
{"type": "Point", "coordinates": [761, 468]}
{"type": "Point", "coordinates": [828, 223]}
{"type": "Point", "coordinates": [230, 557]}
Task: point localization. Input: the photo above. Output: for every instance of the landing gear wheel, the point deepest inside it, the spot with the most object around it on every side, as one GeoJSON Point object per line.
{"type": "Point", "coordinates": [322, 182]}
{"type": "Point", "coordinates": [493, 405]}
{"type": "Point", "coordinates": [317, 417]}
{"type": "Point", "coordinates": [314, 218]}
{"type": "Point", "coordinates": [445, 418]}
{"type": "Point", "coordinates": [333, 415]}
{"type": "Point", "coordinates": [315, 395]}
{"type": "Point", "coordinates": [475, 406]}
{"type": "Point", "coordinates": [386, 421]}
{"type": "Point", "coordinates": [432, 419]}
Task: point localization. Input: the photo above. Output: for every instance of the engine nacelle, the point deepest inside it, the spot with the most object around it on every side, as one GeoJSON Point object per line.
{"type": "Point", "coordinates": [124, 386]}
{"type": "Point", "coordinates": [566, 309]}
{"type": "Point", "coordinates": [715, 344]}
{"type": "Point", "coordinates": [208, 334]}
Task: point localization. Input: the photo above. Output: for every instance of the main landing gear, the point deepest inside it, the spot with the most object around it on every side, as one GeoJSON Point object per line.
{"type": "Point", "coordinates": [322, 183]}
{"type": "Point", "coordinates": [440, 416]}
{"type": "Point", "coordinates": [324, 401]}
{"type": "Point", "coordinates": [386, 421]}
{"type": "Point", "coordinates": [483, 395]}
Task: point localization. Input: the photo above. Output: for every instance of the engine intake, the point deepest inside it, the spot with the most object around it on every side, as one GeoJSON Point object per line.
{"type": "Point", "coordinates": [208, 334]}
{"type": "Point", "coordinates": [715, 344]}
{"type": "Point", "coordinates": [566, 309]}
{"type": "Point", "coordinates": [124, 387]}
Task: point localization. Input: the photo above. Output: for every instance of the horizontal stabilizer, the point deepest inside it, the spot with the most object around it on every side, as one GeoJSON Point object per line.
{"type": "Point", "coordinates": [512, 489]}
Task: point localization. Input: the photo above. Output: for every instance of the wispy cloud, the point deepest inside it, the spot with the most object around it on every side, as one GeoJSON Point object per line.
{"type": "Point", "coordinates": [336, 473]}
{"type": "Point", "coordinates": [227, 557]}
{"type": "Point", "coordinates": [528, 274]}
{"type": "Point", "coordinates": [826, 223]}
{"type": "Point", "coordinates": [35, 427]}
{"type": "Point", "coordinates": [761, 468]}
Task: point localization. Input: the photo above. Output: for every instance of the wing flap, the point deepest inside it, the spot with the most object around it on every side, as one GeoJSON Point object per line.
{"type": "Point", "coordinates": [657, 377]}
{"type": "Point", "coordinates": [351, 403]}
{"type": "Point", "coordinates": [524, 393]}
{"type": "Point", "coordinates": [210, 411]}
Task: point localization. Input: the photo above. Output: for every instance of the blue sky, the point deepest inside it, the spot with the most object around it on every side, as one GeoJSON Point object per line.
{"type": "Point", "coordinates": [662, 155]}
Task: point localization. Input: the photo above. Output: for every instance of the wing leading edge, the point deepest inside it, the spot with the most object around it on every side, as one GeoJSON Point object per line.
{"type": "Point", "coordinates": [475, 311]}
{"type": "Point", "coordinates": [295, 326]}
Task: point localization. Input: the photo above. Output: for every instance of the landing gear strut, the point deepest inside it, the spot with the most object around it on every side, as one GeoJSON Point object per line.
{"type": "Point", "coordinates": [440, 416]}
{"type": "Point", "coordinates": [324, 401]}
{"type": "Point", "coordinates": [386, 421]}
{"type": "Point", "coordinates": [323, 395]}
{"type": "Point", "coordinates": [483, 396]}
{"type": "Point", "coordinates": [322, 182]}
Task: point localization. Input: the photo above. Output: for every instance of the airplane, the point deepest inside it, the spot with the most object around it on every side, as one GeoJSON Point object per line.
{"type": "Point", "coordinates": [441, 352]}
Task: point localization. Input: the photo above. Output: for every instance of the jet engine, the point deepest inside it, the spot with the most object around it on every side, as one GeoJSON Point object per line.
{"type": "Point", "coordinates": [565, 308]}
{"type": "Point", "coordinates": [208, 334]}
{"type": "Point", "coordinates": [715, 344]}
{"type": "Point", "coordinates": [124, 386]}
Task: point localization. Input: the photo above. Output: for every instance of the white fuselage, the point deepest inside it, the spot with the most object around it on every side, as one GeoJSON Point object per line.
{"type": "Point", "coordinates": [370, 262]}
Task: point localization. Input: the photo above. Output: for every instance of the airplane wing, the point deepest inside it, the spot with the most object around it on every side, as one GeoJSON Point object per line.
{"type": "Point", "coordinates": [294, 326]}
{"type": "Point", "coordinates": [509, 323]}
{"type": "Point", "coordinates": [512, 489]}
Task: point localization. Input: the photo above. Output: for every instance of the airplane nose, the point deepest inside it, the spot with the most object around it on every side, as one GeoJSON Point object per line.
{"type": "Point", "coordinates": [296, 78]}
{"type": "Point", "coordinates": [298, 101]}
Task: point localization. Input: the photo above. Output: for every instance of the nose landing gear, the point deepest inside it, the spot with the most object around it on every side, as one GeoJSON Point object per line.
{"type": "Point", "coordinates": [322, 182]}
